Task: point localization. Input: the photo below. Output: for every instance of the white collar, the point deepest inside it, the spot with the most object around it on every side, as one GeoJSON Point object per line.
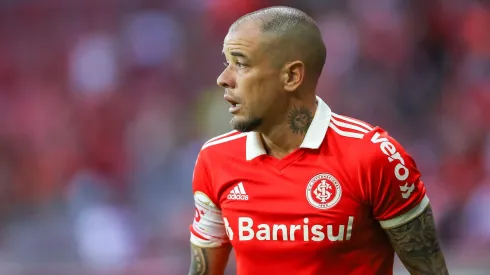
{"type": "Point", "coordinates": [313, 138]}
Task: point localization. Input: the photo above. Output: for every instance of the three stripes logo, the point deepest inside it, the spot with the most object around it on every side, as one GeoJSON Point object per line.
{"type": "Point", "coordinates": [238, 193]}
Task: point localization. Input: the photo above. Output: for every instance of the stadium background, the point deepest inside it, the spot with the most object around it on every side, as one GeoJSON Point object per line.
{"type": "Point", "coordinates": [104, 106]}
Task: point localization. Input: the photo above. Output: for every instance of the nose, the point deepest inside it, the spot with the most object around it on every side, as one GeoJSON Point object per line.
{"type": "Point", "coordinates": [225, 79]}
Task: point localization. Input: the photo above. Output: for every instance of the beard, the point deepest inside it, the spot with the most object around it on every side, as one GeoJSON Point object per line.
{"type": "Point", "coordinates": [245, 125]}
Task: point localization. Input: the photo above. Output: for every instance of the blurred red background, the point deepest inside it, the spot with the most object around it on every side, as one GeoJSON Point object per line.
{"type": "Point", "coordinates": [105, 104]}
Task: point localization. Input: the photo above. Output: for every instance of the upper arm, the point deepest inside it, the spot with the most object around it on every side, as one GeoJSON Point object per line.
{"type": "Point", "coordinates": [399, 202]}
{"type": "Point", "coordinates": [417, 245]}
{"type": "Point", "coordinates": [210, 246]}
{"type": "Point", "coordinates": [393, 187]}
{"type": "Point", "coordinates": [209, 260]}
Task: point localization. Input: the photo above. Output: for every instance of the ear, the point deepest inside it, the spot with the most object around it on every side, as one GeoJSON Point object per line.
{"type": "Point", "coordinates": [294, 73]}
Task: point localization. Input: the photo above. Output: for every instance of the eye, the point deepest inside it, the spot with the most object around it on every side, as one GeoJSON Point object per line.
{"type": "Point", "coordinates": [240, 65]}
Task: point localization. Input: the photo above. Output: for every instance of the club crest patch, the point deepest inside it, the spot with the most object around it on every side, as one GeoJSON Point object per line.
{"type": "Point", "coordinates": [323, 191]}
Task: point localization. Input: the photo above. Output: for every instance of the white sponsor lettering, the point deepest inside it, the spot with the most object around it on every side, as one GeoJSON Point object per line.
{"type": "Point", "coordinates": [229, 232]}
{"type": "Point", "coordinates": [238, 193]}
{"type": "Point", "coordinates": [237, 197]}
{"type": "Point", "coordinates": [401, 172]}
{"type": "Point", "coordinates": [407, 190]}
{"type": "Point", "coordinates": [247, 230]}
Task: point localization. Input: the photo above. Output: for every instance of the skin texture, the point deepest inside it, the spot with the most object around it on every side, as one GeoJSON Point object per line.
{"type": "Point", "coordinates": [270, 96]}
{"type": "Point", "coordinates": [417, 245]}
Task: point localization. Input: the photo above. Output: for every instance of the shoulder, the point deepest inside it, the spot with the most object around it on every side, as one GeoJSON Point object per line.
{"type": "Point", "coordinates": [348, 129]}
{"type": "Point", "coordinates": [366, 143]}
{"type": "Point", "coordinates": [224, 141]}
{"type": "Point", "coordinates": [216, 154]}
{"type": "Point", "coordinates": [223, 144]}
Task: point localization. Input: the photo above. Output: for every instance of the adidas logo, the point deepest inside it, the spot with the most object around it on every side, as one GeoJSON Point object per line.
{"type": "Point", "coordinates": [238, 193]}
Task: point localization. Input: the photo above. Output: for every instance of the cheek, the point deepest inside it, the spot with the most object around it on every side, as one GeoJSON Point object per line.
{"type": "Point", "coordinates": [258, 94]}
{"type": "Point", "coordinates": [262, 104]}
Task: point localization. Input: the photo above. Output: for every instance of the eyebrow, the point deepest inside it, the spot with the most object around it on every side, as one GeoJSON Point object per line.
{"type": "Point", "coordinates": [237, 54]}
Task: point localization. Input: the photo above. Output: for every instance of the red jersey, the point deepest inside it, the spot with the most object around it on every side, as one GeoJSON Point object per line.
{"type": "Point", "coordinates": [321, 209]}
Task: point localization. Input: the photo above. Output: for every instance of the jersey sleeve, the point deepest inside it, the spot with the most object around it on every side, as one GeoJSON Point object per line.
{"type": "Point", "coordinates": [207, 229]}
{"type": "Point", "coordinates": [395, 191]}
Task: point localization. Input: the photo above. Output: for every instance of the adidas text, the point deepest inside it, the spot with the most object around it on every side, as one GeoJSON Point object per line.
{"type": "Point", "coordinates": [238, 193]}
{"type": "Point", "coordinates": [237, 197]}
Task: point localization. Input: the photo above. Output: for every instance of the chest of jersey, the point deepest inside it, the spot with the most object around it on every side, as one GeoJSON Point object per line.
{"type": "Point", "coordinates": [309, 205]}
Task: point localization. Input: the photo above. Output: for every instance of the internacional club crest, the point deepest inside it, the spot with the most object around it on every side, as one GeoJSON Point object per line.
{"type": "Point", "coordinates": [323, 191]}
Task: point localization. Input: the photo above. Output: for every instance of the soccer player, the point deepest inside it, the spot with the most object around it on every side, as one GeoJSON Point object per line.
{"type": "Point", "coordinates": [297, 188]}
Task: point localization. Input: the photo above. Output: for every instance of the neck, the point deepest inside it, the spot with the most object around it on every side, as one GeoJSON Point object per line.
{"type": "Point", "coordinates": [287, 134]}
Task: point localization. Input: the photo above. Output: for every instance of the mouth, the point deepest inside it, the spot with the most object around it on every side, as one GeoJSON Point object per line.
{"type": "Point", "coordinates": [235, 106]}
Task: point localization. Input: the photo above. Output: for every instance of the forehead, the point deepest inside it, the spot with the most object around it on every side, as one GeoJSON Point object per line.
{"type": "Point", "coordinates": [244, 37]}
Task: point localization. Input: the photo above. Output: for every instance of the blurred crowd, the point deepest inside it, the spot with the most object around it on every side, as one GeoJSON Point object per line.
{"type": "Point", "coordinates": [104, 106]}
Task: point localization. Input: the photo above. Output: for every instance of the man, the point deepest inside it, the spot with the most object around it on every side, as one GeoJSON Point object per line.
{"type": "Point", "coordinates": [298, 189]}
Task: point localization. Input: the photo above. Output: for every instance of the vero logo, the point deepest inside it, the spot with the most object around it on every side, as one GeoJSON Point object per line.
{"type": "Point", "coordinates": [407, 190]}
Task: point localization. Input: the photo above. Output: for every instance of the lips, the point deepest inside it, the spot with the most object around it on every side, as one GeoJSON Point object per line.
{"type": "Point", "coordinates": [232, 101]}
{"type": "Point", "coordinates": [235, 105]}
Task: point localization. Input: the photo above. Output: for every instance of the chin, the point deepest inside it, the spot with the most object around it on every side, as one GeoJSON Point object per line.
{"type": "Point", "coordinates": [245, 125]}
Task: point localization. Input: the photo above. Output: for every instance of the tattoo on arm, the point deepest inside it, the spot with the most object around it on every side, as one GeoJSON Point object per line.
{"type": "Point", "coordinates": [417, 245]}
{"type": "Point", "coordinates": [300, 119]}
{"type": "Point", "coordinates": [209, 261]}
{"type": "Point", "coordinates": [199, 261]}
